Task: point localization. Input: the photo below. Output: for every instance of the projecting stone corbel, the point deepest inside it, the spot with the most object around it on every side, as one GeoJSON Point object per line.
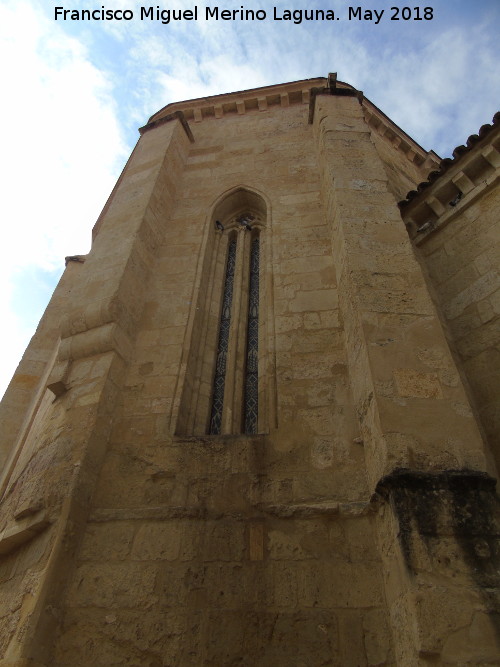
{"type": "Point", "coordinates": [58, 378]}
{"type": "Point", "coordinates": [436, 206]}
{"type": "Point", "coordinates": [492, 156]}
{"type": "Point", "coordinates": [99, 340]}
{"type": "Point", "coordinates": [462, 182]}
{"type": "Point", "coordinates": [79, 259]}
{"type": "Point", "coordinates": [13, 537]}
{"type": "Point", "coordinates": [262, 103]}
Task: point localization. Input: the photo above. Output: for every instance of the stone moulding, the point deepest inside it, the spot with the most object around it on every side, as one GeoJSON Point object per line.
{"type": "Point", "coordinates": [285, 95]}
{"type": "Point", "coordinates": [179, 115]}
{"type": "Point", "coordinates": [327, 509]}
{"type": "Point", "coordinates": [459, 151]}
{"type": "Point", "coordinates": [242, 101]}
{"type": "Point", "coordinates": [455, 184]}
{"type": "Point", "coordinates": [13, 537]}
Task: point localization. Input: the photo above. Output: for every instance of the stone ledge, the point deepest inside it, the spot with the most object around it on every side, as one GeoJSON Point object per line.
{"type": "Point", "coordinates": [285, 511]}
{"type": "Point", "coordinates": [176, 115]}
{"type": "Point", "coordinates": [431, 221]}
{"type": "Point", "coordinates": [14, 537]}
{"type": "Point", "coordinates": [240, 102]}
{"type": "Point", "coordinates": [454, 186]}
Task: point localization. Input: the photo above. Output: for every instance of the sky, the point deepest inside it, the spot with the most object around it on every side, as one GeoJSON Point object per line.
{"type": "Point", "coordinates": [75, 92]}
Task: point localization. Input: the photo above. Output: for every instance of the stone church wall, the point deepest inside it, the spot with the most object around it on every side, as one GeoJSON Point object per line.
{"type": "Point", "coordinates": [358, 525]}
{"type": "Point", "coordinates": [255, 550]}
{"type": "Point", "coordinates": [460, 251]}
{"type": "Point", "coordinates": [463, 262]}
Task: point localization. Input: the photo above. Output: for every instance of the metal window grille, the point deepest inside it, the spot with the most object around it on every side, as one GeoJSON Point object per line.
{"type": "Point", "coordinates": [223, 342]}
{"type": "Point", "coordinates": [251, 398]}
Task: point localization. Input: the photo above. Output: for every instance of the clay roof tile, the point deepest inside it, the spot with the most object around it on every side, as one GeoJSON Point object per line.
{"type": "Point", "coordinates": [447, 162]}
{"type": "Point", "coordinates": [483, 130]}
{"type": "Point", "coordinates": [473, 139]}
{"type": "Point", "coordinates": [459, 150]}
{"type": "Point", "coordinates": [422, 186]}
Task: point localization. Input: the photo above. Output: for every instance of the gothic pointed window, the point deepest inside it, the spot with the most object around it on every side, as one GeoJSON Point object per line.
{"type": "Point", "coordinates": [228, 385]}
{"type": "Point", "coordinates": [237, 358]}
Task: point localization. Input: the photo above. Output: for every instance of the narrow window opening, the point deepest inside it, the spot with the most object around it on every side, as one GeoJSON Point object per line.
{"type": "Point", "coordinates": [251, 397]}
{"type": "Point", "coordinates": [223, 342]}
{"type": "Point", "coordinates": [229, 383]}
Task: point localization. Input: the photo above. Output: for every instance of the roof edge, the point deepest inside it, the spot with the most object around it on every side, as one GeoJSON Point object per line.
{"type": "Point", "coordinates": [458, 155]}
{"type": "Point", "coordinates": [250, 92]}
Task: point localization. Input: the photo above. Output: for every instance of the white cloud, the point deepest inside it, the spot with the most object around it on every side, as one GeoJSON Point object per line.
{"type": "Point", "coordinates": [451, 91]}
{"type": "Point", "coordinates": [437, 84]}
{"type": "Point", "coordinates": [62, 150]}
{"type": "Point", "coordinates": [69, 100]}
{"type": "Point", "coordinates": [64, 143]}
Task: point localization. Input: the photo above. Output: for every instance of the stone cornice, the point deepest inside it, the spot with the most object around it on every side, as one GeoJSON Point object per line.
{"type": "Point", "coordinates": [456, 185]}
{"type": "Point", "coordinates": [255, 99]}
{"type": "Point", "coordinates": [378, 121]}
{"type": "Point", "coordinates": [386, 128]}
{"type": "Point", "coordinates": [445, 164]}
{"type": "Point", "coordinates": [176, 115]}
{"type": "Point", "coordinates": [285, 95]}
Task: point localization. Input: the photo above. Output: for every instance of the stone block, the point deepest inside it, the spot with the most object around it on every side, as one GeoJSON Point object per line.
{"type": "Point", "coordinates": [108, 541]}
{"type": "Point", "coordinates": [157, 541]}
{"type": "Point", "coordinates": [411, 383]}
{"type": "Point", "coordinates": [114, 585]}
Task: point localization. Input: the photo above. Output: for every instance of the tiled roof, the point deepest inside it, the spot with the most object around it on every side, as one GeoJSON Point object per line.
{"type": "Point", "coordinates": [445, 164]}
